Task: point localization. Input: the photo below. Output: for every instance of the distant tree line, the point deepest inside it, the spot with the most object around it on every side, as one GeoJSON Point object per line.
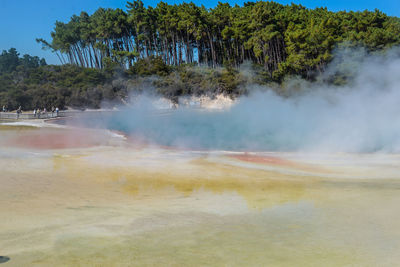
{"type": "Point", "coordinates": [10, 60]}
{"type": "Point", "coordinates": [47, 86]}
{"type": "Point", "coordinates": [283, 39]}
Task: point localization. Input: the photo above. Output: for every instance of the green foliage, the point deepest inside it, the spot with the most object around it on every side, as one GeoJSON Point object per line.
{"type": "Point", "coordinates": [191, 80]}
{"type": "Point", "coordinates": [35, 85]}
{"type": "Point", "coordinates": [283, 39]}
{"type": "Point", "coordinates": [150, 66]}
{"type": "Point", "coordinates": [10, 61]}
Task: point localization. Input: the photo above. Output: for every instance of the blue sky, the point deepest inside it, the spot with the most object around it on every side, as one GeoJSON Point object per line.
{"type": "Point", "coordinates": [21, 21]}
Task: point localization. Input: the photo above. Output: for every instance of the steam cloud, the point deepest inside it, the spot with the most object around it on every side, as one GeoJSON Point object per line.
{"type": "Point", "coordinates": [361, 117]}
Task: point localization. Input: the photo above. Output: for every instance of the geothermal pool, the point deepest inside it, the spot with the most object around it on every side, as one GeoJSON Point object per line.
{"type": "Point", "coordinates": [91, 197]}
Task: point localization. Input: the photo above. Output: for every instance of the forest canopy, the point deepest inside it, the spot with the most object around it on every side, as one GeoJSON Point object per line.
{"type": "Point", "coordinates": [284, 39]}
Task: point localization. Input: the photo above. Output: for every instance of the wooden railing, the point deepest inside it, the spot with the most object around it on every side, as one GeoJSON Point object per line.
{"type": "Point", "coordinates": [31, 116]}
{"type": "Point", "coordinates": [66, 113]}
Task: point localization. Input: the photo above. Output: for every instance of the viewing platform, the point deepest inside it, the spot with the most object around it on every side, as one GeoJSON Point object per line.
{"type": "Point", "coordinates": [31, 116]}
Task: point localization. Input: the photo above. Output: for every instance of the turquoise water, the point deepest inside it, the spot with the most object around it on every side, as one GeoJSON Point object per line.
{"type": "Point", "coordinates": [266, 122]}
{"type": "Point", "coordinates": [192, 129]}
{"type": "Point", "coordinates": [196, 129]}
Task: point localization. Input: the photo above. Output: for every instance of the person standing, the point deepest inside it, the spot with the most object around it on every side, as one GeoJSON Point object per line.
{"type": "Point", "coordinates": [19, 111]}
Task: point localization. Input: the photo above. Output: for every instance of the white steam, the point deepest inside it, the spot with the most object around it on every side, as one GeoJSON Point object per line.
{"type": "Point", "coordinates": [361, 117]}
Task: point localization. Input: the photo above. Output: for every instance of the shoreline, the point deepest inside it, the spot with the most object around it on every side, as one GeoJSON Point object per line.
{"type": "Point", "coordinates": [316, 164]}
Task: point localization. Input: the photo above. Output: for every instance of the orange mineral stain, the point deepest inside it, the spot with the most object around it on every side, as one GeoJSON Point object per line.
{"type": "Point", "coordinates": [57, 139]}
{"type": "Point", "coordinates": [278, 162]}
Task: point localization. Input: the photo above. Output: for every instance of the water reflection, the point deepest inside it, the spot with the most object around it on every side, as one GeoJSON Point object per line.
{"type": "Point", "coordinates": [4, 259]}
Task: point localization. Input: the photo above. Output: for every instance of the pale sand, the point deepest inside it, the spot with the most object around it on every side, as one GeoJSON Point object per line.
{"type": "Point", "coordinates": [104, 202]}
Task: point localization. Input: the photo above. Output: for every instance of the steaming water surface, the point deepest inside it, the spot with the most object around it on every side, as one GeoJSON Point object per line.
{"type": "Point", "coordinates": [332, 121]}
{"type": "Point", "coordinates": [361, 117]}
